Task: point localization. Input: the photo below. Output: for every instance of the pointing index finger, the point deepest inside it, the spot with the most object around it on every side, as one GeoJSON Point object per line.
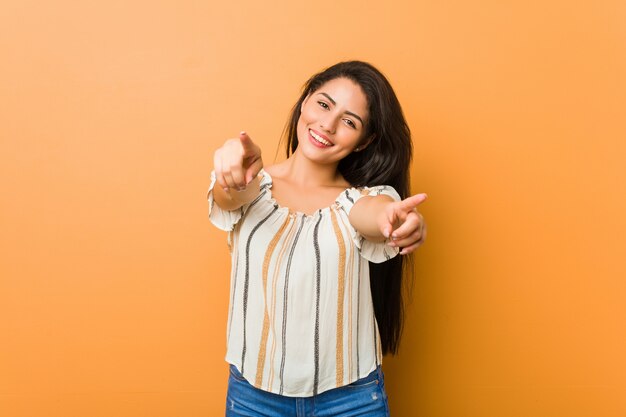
{"type": "Point", "coordinates": [245, 139]}
{"type": "Point", "coordinates": [411, 202]}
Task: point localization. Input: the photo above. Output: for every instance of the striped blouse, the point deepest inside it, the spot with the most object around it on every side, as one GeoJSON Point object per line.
{"type": "Point", "coordinates": [301, 319]}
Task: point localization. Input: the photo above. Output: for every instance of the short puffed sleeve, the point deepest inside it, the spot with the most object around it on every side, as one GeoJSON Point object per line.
{"type": "Point", "coordinates": [376, 252]}
{"type": "Point", "coordinates": [222, 219]}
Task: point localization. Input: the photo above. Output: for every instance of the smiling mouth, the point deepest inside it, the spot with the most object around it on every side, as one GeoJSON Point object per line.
{"type": "Point", "coordinates": [319, 139]}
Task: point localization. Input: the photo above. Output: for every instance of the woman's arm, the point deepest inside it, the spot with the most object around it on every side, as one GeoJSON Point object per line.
{"type": "Point", "coordinates": [378, 218]}
{"type": "Point", "coordinates": [237, 165]}
{"type": "Point", "coordinates": [232, 199]}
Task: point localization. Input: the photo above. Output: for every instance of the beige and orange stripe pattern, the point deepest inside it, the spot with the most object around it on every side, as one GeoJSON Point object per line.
{"type": "Point", "coordinates": [341, 283]}
{"type": "Point", "coordinates": [266, 316]}
{"type": "Point", "coordinates": [301, 319]}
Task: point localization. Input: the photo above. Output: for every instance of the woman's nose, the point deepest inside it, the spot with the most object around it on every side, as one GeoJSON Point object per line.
{"type": "Point", "coordinates": [329, 123]}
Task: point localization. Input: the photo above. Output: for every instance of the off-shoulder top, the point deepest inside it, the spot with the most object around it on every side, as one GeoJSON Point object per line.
{"type": "Point", "coordinates": [301, 319]}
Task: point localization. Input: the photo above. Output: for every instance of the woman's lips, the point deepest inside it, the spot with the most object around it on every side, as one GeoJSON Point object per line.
{"type": "Point", "coordinates": [319, 140]}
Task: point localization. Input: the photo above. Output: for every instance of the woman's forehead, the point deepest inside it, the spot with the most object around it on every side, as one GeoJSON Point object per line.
{"type": "Point", "coordinates": [346, 93]}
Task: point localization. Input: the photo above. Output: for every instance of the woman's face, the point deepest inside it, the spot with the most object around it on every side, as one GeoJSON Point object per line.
{"type": "Point", "coordinates": [332, 121]}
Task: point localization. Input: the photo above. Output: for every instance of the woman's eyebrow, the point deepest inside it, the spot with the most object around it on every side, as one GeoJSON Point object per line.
{"type": "Point", "coordinates": [356, 116]}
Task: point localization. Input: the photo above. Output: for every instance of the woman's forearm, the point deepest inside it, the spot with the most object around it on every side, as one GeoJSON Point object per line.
{"type": "Point", "coordinates": [365, 216]}
{"type": "Point", "coordinates": [233, 199]}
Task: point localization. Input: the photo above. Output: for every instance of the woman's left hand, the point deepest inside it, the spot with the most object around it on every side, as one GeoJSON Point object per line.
{"type": "Point", "coordinates": [403, 224]}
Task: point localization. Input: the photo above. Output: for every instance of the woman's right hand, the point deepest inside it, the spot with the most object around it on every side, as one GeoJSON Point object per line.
{"type": "Point", "coordinates": [237, 163]}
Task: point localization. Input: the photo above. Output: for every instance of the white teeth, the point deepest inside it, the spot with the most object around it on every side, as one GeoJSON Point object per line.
{"type": "Point", "coordinates": [320, 139]}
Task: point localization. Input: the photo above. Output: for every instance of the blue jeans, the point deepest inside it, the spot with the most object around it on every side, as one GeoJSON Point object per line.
{"type": "Point", "coordinates": [365, 397]}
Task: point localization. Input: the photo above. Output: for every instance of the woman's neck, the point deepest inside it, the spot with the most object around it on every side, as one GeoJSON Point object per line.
{"type": "Point", "coordinates": [306, 173]}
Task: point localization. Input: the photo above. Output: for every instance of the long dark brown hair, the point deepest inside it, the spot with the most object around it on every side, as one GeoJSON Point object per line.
{"type": "Point", "coordinates": [385, 161]}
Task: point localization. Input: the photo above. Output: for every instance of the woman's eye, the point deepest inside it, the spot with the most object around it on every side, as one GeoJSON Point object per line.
{"type": "Point", "coordinates": [350, 123]}
{"type": "Point", "coordinates": [324, 105]}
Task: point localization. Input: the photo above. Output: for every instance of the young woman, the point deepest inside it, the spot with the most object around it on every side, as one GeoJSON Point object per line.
{"type": "Point", "coordinates": [316, 283]}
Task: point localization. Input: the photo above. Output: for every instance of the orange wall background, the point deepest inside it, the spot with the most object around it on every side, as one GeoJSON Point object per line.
{"type": "Point", "coordinates": [114, 285]}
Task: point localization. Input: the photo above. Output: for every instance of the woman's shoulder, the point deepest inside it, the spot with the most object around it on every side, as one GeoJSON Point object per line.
{"type": "Point", "coordinates": [278, 171]}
